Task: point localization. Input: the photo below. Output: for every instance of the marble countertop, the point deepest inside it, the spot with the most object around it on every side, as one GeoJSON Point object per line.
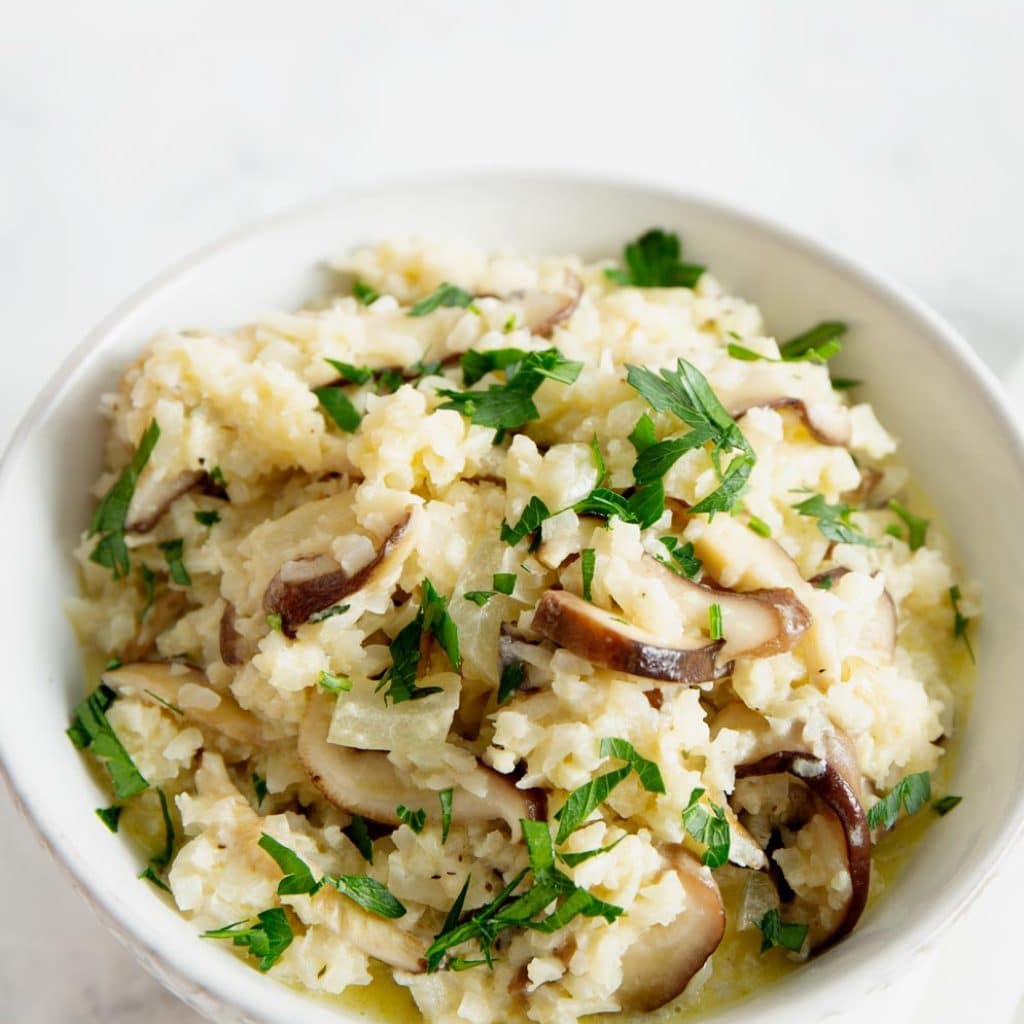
{"type": "Point", "coordinates": [136, 132]}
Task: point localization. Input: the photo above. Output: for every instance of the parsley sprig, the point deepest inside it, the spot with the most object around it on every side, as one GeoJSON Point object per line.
{"type": "Point", "coordinates": [917, 526]}
{"type": "Point", "coordinates": [960, 620]}
{"type": "Point", "coordinates": [510, 405]}
{"type": "Point", "coordinates": [686, 393]}
{"type": "Point", "coordinates": [818, 345]}
{"type": "Point", "coordinates": [266, 938]}
{"type": "Point", "coordinates": [833, 520]}
{"type": "Point", "coordinates": [654, 261]}
{"type": "Point", "coordinates": [432, 619]}
{"type": "Point", "coordinates": [508, 911]}
{"type": "Point", "coordinates": [706, 822]}
{"type": "Point", "coordinates": [912, 792]}
{"type": "Point", "coordinates": [109, 518]}
{"type": "Point", "coordinates": [90, 730]}
{"type": "Point", "coordinates": [446, 296]}
{"type": "Point", "coordinates": [776, 932]}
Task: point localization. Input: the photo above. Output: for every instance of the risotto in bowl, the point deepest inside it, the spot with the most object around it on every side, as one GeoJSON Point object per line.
{"type": "Point", "coordinates": [517, 639]}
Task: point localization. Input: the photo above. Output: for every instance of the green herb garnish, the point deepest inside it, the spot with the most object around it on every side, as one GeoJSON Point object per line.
{"type": "Point", "coordinates": [819, 343]}
{"type": "Point", "coordinates": [357, 831]}
{"type": "Point", "coordinates": [654, 261]}
{"type": "Point", "coordinates": [759, 526]}
{"type": "Point", "coordinates": [510, 405]}
{"type": "Point", "coordinates": [533, 515]}
{"type": "Point", "coordinates": [110, 816]}
{"type": "Point", "coordinates": [266, 938]}
{"type": "Point", "coordinates": [960, 621]}
{"type": "Point", "coordinates": [588, 562]}
{"type": "Point", "coordinates": [572, 859]}
{"type": "Point", "coordinates": [504, 582]}
{"type": "Point", "coordinates": [298, 879]}
{"type": "Point", "coordinates": [833, 520]}
{"type": "Point", "coordinates": [686, 393]}
{"type": "Point", "coordinates": [275, 622]}
{"type": "Point", "coordinates": [109, 518]}
{"type": "Point", "coordinates": [148, 874]}
{"type": "Point", "coordinates": [912, 792]}
{"type": "Point", "coordinates": [706, 823]}
{"type": "Point", "coordinates": [648, 773]}
{"type": "Point", "coordinates": [364, 294]}
{"type": "Point", "coordinates": [682, 559]}
{"type": "Point", "coordinates": [259, 788]}
{"type": "Point", "coordinates": [776, 932]}
{"type": "Point", "coordinates": [90, 730]}
{"type": "Point", "coordinates": [917, 527]}
{"type": "Point", "coordinates": [338, 407]}
{"type": "Point", "coordinates": [367, 893]}
{"type": "Point", "coordinates": [715, 622]}
{"type": "Point", "coordinates": [332, 683]}
{"type": "Point", "coordinates": [207, 517]}
{"type": "Point", "coordinates": [445, 295]}
{"type": "Point", "coordinates": [942, 806]}
{"type": "Point", "coordinates": [327, 613]}
{"type": "Point", "coordinates": [173, 551]}
{"type": "Point", "coordinates": [513, 675]}
{"type": "Point", "coordinates": [582, 802]}
{"type": "Point", "coordinates": [414, 819]}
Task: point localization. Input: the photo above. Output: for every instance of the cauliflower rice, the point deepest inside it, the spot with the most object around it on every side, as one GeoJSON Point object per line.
{"type": "Point", "coordinates": [278, 583]}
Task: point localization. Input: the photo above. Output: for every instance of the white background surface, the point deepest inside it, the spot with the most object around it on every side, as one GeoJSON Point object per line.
{"type": "Point", "coordinates": [133, 132]}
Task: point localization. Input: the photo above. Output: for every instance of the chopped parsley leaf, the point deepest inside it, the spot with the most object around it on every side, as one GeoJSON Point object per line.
{"type": "Point", "coordinates": [602, 470]}
{"type": "Point", "coordinates": [359, 834]}
{"type": "Point", "coordinates": [642, 435]}
{"type": "Point", "coordinates": [510, 405]}
{"type": "Point", "coordinates": [707, 824]}
{"type": "Point", "coordinates": [166, 703]}
{"type": "Point", "coordinates": [960, 620]}
{"type": "Point", "coordinates": [331, 683]}
{"type": "Point", "coordinates": [912, 792]}
{"type": "Point", "coordinates": [776, 932]}
{"type": "Point", "coordinates": [648, 773]}
{"type": "Point", "coordinates": [683, 561]}
{"type": "Point", "coordinates": [327, 613]}
{"type": "Point", "coordinates": [479, 597]}
{"type": "Point", "coordinates": [917, 527]}
{"type": "Point", "coordinates": [572, 859]}
{"type": "Point", "coordinates": [715, 622]}
{"type": "Point", "coordinates": [298, 879]}
{"type": "Point", "coordinates": [504, 582]}
{"type": "Point", "coordinates": [110, 816]}
{"type": "Point", "coordinates": [166, 855]}
{"type": "Point", "coordinates": [275, 622]}
{"type": "Point", "coordinates": [338, 407]}
{"type": "Point", "coordinates": [149, 874]}
{"type": "Point", "coordinates": [445, 295]}
{"type": "Point", "coordinates": [364, 294]}
{"type": "Point", "coordinates": [833, 520]}
{"type": "Point", "coordinates": [109, 518]}
{"type": "Point", "coordinates": [942, 806]}
{"type": "Point", "coordinates": [173, 551]}
{"type": "Point", "coordinates": [476, 365]}
{"type": "Point", "coordinates": [367, 893]}
{"type": "Point", "coordinates": [533, 515]}
{"type": "Point", "coordinates": [845, 383]}
{"type": "Point", "coordinates": [90, 729]}
{"type": "Point", "coordinates": [819, 343]}
{"type": "Point", "coordinates": [513, 675]}
{"type": "Point", "coordinates": [509, 325]}
{"type": "Point", "coordinates": [582, 802]}
{"type": "Point", "coordinates": [414, 819]}
{"type": "Point", "coordinates": [266, 938]}
{"type": "Point", "coordinates": [445, 797]}
{"type": "Point", "coordinates": [207, 517]}
{"type": "Point", "coordinates": [588, 562]}
{"type": "Point", "coordinates": [686, 393]}
{"type": "Point", "coordinates": [432, 618]}
{"type": "Point", "coordinates": [653, 261]}
{"type": "Point", "coordinates": [759, 526]}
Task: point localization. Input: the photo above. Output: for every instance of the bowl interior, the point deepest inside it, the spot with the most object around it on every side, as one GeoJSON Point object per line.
{"type": "Point", "coordinates": [956, 436]}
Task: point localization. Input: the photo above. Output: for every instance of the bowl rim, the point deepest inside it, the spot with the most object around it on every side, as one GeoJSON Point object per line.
{"type": "Point", "coordinates": [265, 1000]}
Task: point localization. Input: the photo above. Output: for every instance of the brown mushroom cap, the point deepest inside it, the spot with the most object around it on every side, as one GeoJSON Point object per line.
{"type": "Point", "coordinates": [834, 780]}
{"type": "Point", "coordinates": [756, 624]}
{"type": "Point", "coordinates": [365, 782]}
{"type": "Point", "coordinates": [162, 682]}
{"type": "Point", "coordinates": [154, 496]}
{"type": "Point", "coordinates": [229, 639]}
{"type": "Point", "coordinates": [659, 965]}
{"type": "Point", "coordinates": [304, 586]}
{"type": "Point", "coordinates": [604, 639]}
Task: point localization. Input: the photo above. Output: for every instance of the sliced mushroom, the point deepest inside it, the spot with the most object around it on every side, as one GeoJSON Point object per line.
{"type": "Point", "coordinates": [164, 682]}
{"type": "Point", "coordinates": [304, 586]}
{"type": "Point", "coordinates": [154, 496]}
{"type": "Point", "coordinates": [659, 965]}
{"type": "Point", "coordinates": [605, 639]}
{"type": "Point", "coordinates": [365, 782]}
{"type": "Point", "coordinates": [832, 781]}
{"type": "Point", "coordinates": [829, 424]}
{"type": "Point", "coordinates": [233, 647]}
{"type": "Point", "coordinates": [541, 311]}
{"type": "Point", "coordinates": [741, 560]}
{"type": "Point", "coordinates": [862, 493]}
{"type": "Point", "coordinates": [384, 940]}
{"type": "Point", "coordinates": [756, 624]}
{"type": "Point", "coordinates": [164, 612]}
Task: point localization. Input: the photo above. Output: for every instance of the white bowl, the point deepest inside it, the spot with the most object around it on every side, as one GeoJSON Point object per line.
{"type": "Point", "coordinates": [957, 433]}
